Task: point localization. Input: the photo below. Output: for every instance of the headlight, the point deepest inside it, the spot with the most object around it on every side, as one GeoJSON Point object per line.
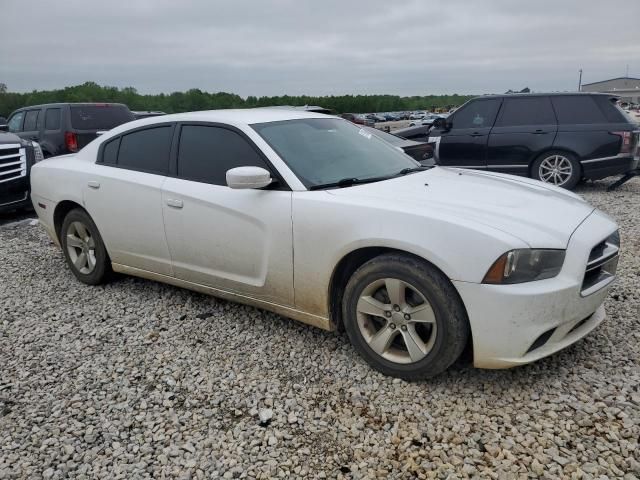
{"type": "Point", "coordinates": [525, 265]}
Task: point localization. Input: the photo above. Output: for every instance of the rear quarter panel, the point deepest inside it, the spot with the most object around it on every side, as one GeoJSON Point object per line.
{"type": "Point", "coordinates": [589, 141]}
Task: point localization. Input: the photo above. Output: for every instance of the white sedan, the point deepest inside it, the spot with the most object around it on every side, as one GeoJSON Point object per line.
{"type": "Point", "coordinates": [316, 219]}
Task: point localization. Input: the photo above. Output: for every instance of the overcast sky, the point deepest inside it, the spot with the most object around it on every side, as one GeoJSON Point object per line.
{"type": "Point", "coordinates": [318, 47]}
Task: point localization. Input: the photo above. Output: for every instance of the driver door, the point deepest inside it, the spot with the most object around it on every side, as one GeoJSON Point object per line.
{"type": "Point", "coordinates": [239, 241]}
{"type": "Point", "coordinates": [464, 144]}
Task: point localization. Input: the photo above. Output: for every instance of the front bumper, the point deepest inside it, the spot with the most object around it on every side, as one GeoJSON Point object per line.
{"type": "Point", "coordinates": [14, 194]}
{"type": "Point", "coordinates": [517, 324]}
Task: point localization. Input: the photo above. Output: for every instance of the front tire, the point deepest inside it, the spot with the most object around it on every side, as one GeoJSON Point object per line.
{"type": "Point", "coordinates": [84, 249]}
{"type": "Point", "coordinates": [557, 168]}
{"type": "Point", "coordinates": [404, 317]}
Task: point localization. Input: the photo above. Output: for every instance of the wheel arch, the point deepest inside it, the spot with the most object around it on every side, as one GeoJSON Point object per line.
{"type": "Point", "coordinates": [61, 211]}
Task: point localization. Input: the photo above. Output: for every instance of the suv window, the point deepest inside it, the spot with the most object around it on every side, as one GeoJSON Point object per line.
{"type": "Point", "coordinates": [206, 153]}
{"type": "Point", "coordinates": [52, 119]}
{"type": "Point", "coordinates": [31, 120]}
{"type": "Point", "coordinates": [146, 150]}
{"type": "Point", "coordinates": [99, 117]}
{"type": "Point", "coordinates": [526, 111]}
{"type": "Point", "coordinates": [15, 122]}
{"type": "Point", "coordinates": [577, 109]}
{"type": "Point", "coordinates": [476, 114]}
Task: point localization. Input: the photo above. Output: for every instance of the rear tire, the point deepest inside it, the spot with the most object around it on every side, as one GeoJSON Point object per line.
{"type": "Point", "coordinates": [404, 317]}
{"type": "Point", "coordinates": [557, 168]}
{"type": "Point", "coordinates": [84, 249]}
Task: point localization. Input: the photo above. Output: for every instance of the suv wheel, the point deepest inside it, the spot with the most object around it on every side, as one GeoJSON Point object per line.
{"type": "Point", "coordinates": [557, 168]}
{"type": "Point", "coordinates": [84, 249]}
{"type": "Point", "coordinates": [404, 317]}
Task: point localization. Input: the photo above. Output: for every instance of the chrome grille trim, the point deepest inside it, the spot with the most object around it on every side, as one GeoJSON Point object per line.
{"type": "Point", "coordinates": [18, 160]}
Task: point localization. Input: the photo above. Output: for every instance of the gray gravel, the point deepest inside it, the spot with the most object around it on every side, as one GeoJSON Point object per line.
{"type": "Point", "coordinates": [142, 380]}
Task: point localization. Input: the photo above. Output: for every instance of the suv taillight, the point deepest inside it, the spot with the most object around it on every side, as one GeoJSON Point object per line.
{"type": "Point", "coordinates": [627, 144]}
{"type": "Point", "coordinates": [71, 141]}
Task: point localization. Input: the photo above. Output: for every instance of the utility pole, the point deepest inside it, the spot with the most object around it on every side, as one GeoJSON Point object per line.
{"type": "Point", "coordinates": [580, 81]}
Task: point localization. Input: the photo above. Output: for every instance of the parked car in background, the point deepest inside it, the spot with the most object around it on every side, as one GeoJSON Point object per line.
{"type": "Point", "coordinates": [390, 117]}
{"type": "Point", "coordinates": [17, 156]}
{"type": "Point", "coordinates": [556, 138]}
{"type": "Point", "coordinates": [62, 128]}
{"type": "Point", "coordinates": [428, 119]}
{"type": "Point", "coordinates": [146, 114]}
{"type": "Point", "coordinates": [376, 117]}
{"type": "Point", "coordinates": [417, 264]}
{"type": "Point", "coordinates": [416, 115]}
{"type": "Point", "coordinates": [421, 151]}
{"type": "Point", "coordinates": [358, 119]}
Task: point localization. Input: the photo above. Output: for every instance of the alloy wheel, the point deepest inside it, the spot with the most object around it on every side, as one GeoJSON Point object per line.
{"type": "Point", "coordinates": [81, 247]}
{"type": "Point", "coordinates": [556, 170]}
{"type": "Point", "coordinates": [396, 321]}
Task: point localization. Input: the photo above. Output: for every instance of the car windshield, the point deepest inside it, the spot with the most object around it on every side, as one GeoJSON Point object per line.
{"type": "Point", "coordinates": [324, 151]}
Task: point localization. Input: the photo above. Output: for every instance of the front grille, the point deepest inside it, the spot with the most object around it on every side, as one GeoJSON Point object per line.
{"type": "Point", "coordinates": [13, 162]}
{"type": "Point", "coordinates": [602, 265]}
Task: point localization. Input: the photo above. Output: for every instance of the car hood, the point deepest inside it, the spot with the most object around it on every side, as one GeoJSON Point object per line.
{"type": "Point", "coordinates": [543, 216]}
{"type": "Point", "coordinates": [6, 137]}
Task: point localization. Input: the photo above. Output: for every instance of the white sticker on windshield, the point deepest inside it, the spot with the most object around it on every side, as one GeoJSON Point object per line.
{"type": "Point", "coordinates": [365, 134]}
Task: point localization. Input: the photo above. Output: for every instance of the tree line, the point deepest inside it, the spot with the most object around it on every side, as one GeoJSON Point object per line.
{"type": "Point", "coordinates": [196, 99]}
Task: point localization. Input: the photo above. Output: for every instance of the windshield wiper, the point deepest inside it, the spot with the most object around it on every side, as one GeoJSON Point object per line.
{"type": "Point", "coordinates": [347, 182]}
{"type": "Point", "coordinates": [404, 171]}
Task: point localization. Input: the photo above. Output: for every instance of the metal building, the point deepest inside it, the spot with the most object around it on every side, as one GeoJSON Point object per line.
{"type": "Point", "coordinates": [627, 88]}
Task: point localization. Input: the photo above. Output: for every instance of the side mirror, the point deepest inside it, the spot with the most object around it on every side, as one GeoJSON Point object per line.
{"type": "Point", "coordinates": [248, 177]}
{"type": "Point", "coordinates": [441, 124]}
{"type": "Point", "coordinates": [4, 127]}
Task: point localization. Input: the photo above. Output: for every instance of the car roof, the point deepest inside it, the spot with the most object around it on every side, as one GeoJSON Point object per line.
{"type": "Point", "coordinates": [552, 94]}
{"type": "Point", "coordinates": [73, 104]}
{"type": "Point", "coordinates": [243, 116]}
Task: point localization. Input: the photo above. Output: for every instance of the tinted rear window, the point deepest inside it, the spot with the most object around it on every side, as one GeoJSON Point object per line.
{"type": "Point", "coordinates": [526, 111]}
{"type": "Point", "coordinates": [52, 119]}
{"type": "Point", "coordinates": [577, 109]}
{"type": "Point", "coordinates": [110, 152]}
{"type": "Point", "coordinates": [146, 150]}
{"type": "Point", "coordinates": [99, 117]}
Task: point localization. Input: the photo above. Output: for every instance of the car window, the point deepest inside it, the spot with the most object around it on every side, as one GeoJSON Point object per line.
{"type": "Point", "coordinates": [99, 116]}
{"type": "Point", "coordinates": [146, 150]}
{"type": "Point", "coordinates": [577, 109]}
{"type": "Point", "coordinates": [476, 114]}
{"type": "Point", "coordinates": [15, 122]}
{"type": "Point", "coordinates": [31, 120]}
{"type": "Point", "coordinates": [326, 150]}
{"type": "Point", "coordinates": [52, 119]}
{"type": "Point", "coordinates": [205, 153]}
{"type": "Point", "coordinates": [526, 111]}
{"type": "Point", "coordinates": [110, 152]}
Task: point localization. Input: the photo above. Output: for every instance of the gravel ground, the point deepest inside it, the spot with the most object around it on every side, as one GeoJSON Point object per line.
{"type": "Point", "coordinates": [142, 380]}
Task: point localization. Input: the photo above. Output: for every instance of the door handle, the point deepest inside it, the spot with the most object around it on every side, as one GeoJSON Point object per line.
{"type": "Point", "coordinates": [93, 184]}
{"type": "Point", "coordinates": [539, 132]}
{"type": "Point", "coordinates": [476, 134]}
{"type": "Point", "coordinates": [173, 203]}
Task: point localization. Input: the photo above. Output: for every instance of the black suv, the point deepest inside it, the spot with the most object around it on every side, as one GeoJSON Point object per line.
{"type": "Point", "coordinates": [62, 128]}
{"type": "Point", "coordinates": [17, 156]}
{"type": "Point", "coordinates": [557, 138]}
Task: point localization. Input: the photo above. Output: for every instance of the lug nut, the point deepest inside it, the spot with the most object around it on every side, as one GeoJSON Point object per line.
{"type": "Point", "coordinates": [387, 314]}
{"type": "Point", "coordinates": [404, 328]}
{"type": "Point", "coordinates": [396, 308]}
{"type": "Point", "coordinates": [407, 316]}
{"type": "Point", "coordinates": [392, 326]}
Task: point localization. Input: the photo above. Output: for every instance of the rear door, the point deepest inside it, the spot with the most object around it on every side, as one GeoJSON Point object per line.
{"type": "Point", "coordinates": [465, 143]}
{"type": "Point", "coordinates": [88, 119]}
{"type": "Point", "coordinates": [124, 197]}
{"type": "Point", "coordinates": [525, 127]}
{"type": "Point", "coordinates": [239, 241]}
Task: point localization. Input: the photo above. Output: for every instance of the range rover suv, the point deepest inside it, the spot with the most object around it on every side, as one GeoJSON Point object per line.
{"type": "Point", "coordinates": [556, 138]}
{"type": "Point", "coordinates": [17, 156]}
{"type": "Point", "coordinates": [62, 128]}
